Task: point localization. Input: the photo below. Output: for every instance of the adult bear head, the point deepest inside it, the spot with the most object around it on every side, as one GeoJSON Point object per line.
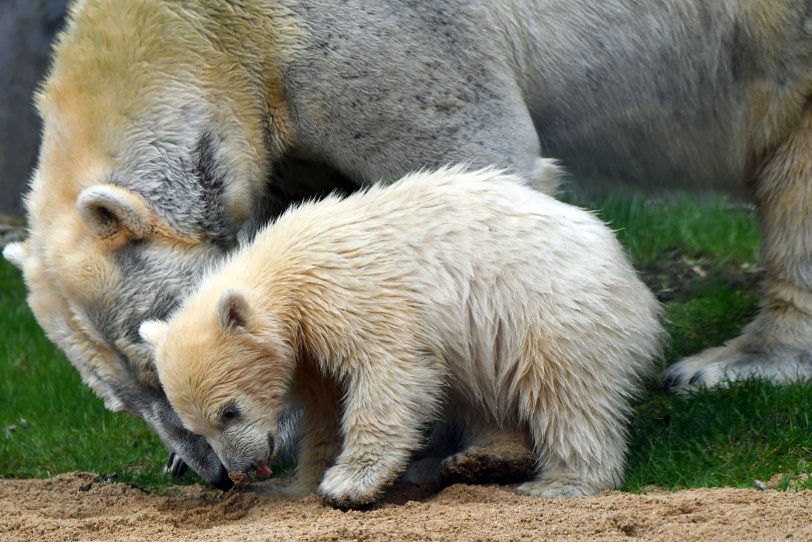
{"type": "Point", "coordinates": [154, 154]}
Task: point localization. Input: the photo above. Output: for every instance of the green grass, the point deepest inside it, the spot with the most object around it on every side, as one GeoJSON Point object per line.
{"type": "Point", "coordinates": [697, 254]}
{"type": "Point", "coordinates": [729, 437]}
{"type": "Point", "coordinates": [51, 423]}
{"type": "Point", "coordinates": [710, 227]}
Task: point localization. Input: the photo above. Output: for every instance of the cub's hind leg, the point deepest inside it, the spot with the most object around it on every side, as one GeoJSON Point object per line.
{"type": "Point", "coordinates": [576, 410]}
{"type": "Point", "coordinates": [489, 452]}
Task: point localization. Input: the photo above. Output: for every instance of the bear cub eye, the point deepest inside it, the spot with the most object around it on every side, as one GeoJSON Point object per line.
{"type": "Point", "coordinates": [230, 412]}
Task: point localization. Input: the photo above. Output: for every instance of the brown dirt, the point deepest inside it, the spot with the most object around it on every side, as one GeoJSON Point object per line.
{"type": "Point", "coordinates": [78, 506]}
{"type": "Point", "coordinates": [674, 277]}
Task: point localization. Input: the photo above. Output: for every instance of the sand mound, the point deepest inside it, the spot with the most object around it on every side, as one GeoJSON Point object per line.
{"type": "Point", "coordinates": [80, 506]}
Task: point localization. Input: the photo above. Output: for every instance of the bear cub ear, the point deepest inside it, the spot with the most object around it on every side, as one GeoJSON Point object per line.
{"type": "Point", "coordinates": [234, 312]}
{"type": "Point", "coordinates": [153, 332]}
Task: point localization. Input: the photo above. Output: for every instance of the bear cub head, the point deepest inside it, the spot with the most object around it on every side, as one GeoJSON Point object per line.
{"type": "Point", "coordinates": [226, 372]}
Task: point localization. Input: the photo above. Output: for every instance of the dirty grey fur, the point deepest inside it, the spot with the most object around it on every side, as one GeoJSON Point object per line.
{"type": "Point", "coordinates": [652, 96]}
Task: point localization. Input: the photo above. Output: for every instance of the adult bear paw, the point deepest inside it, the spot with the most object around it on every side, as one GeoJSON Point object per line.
{"type": "Point", "coordinates": [175, 465]}
{"type": "Point", "coordinates": [741, 359]}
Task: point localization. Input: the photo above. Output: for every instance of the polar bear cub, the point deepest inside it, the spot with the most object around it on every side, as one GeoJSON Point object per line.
{"type": "Point", "coordinates": [446, 292]}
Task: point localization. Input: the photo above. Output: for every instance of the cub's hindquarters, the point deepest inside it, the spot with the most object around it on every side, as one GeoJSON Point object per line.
{"type": "Point", "coordinates": [554, 341]}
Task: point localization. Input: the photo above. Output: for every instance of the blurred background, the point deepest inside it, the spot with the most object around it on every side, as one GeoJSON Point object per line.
{"type": "Point", "coordinates": [27, 28]}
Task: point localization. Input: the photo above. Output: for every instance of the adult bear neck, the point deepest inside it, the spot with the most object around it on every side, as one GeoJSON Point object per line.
{"type": "Point", "coordinates": [262, 37]}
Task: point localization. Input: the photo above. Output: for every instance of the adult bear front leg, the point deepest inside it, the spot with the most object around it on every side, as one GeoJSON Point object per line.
{"type": "Point", "coordinates": [777, 345]}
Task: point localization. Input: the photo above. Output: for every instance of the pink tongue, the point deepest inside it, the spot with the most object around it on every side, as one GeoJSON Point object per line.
{"type": "Point", "coordinates": [264, 471]}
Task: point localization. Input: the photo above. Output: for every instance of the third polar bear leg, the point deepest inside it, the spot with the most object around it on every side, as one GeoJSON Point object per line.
{"type": "Point", "coordinates": [488, 451]}
{"type": "Point", "coordinates": [777, 345]}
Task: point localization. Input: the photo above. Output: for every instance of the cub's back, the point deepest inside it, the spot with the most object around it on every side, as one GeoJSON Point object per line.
{"type": "Point", "coordinates": [483, 269]}
{"type": "Point", "coordinates": [438, 232]}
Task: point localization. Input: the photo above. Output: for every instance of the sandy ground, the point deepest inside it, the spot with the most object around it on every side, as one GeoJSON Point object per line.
{"type": "Point", "coordinates": [78, 506]}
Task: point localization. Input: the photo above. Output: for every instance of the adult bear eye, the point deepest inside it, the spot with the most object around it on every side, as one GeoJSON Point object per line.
{"type": "Point", "coordinates": [230, 412]}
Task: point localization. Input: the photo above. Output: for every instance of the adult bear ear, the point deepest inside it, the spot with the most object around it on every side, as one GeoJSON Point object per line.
{"type": "Point", "coordinates": [109, 210]}
{"type": "Point", "coordinates": [233, 311]}
{"type": "Point", "coordinates": [153, 332]}
{"type": "Point", "coordinates": [16, 254]}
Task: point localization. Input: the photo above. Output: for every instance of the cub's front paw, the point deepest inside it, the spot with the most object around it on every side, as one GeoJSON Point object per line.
{"type": "Point", "coordinates": [494, 464]}
{"type": "Point", "coordinates": [346, 487]}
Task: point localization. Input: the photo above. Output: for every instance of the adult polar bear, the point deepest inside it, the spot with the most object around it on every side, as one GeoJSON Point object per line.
{"type": "Point", "coordinates": [166, 120]}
